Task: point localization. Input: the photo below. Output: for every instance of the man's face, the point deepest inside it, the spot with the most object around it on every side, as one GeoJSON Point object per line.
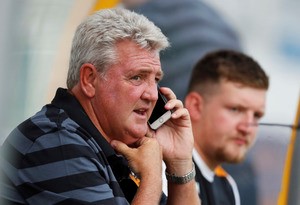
{"type": "Point", "coordinates": [228, 124]}
{"type": "Point", "coordinates": [126, 95]}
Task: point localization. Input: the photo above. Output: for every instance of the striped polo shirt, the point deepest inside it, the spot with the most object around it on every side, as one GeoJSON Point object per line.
{"type": "Point", "coordinates": [59, 157]}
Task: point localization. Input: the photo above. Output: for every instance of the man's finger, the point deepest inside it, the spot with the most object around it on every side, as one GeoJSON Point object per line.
{"type": "Point", "coordinates": [120, 147]}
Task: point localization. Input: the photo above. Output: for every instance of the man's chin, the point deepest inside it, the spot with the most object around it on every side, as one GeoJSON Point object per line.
{"type": "Point", "coordinates": [234, 157]}
{"type": "Point", "coordinates": [238, 159]}
{"type": "Point", "coordinates": [134, 136]}
{"type": "Point", "coordinates": [139, 130]}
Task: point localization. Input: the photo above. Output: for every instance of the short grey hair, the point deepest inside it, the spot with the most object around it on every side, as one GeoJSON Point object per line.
{"type": "Point", "coordinates": [95, 39]}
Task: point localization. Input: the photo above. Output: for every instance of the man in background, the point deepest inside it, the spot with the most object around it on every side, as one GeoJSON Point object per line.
{"type": "Point", "coordinates": [226, 99]}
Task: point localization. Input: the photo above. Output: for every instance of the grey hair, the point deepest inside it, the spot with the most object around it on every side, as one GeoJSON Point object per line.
{"type": "Point", "coordinates": [95, 39]}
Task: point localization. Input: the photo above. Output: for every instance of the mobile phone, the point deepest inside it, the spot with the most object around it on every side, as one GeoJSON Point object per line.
{"type": "Point", "coordinates": [159, 115]}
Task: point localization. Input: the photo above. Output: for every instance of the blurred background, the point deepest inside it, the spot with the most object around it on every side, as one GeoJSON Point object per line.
{"type": "Point", "coordinates": [35, 41]}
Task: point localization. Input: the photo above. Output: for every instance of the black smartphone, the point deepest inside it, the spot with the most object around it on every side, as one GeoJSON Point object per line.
{"type": "Point", "coordinates": [159, 115]}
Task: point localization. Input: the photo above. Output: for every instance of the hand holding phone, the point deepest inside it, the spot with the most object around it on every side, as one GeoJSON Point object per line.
{"type": "Point", "coordinates": [159, 115]}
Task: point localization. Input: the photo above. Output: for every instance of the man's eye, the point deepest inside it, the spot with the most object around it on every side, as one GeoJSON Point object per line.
{"type": "Point", "coordinates": [137, 77]}
{"type": "Point", "coordinates": [136, 80]}
{"type": "Point", "coordinates": [234, 109]}
{"type": "Point", "coordinates": [258, 116]}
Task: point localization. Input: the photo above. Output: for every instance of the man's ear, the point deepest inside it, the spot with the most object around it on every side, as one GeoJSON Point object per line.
{"type": "Point", "coordinates": [88, 78]}
{"type": "Point", "coordinates": [193, 102]}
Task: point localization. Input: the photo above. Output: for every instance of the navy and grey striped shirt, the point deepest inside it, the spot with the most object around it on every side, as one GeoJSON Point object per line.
{"type": "Point", "coordinates": [59, 157]}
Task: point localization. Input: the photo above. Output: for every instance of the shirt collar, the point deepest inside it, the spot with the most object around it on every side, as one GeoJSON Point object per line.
{"type": "Point", "coordinates": [65, 100]}
{"type": "Point", "coordinates": [205, 170]}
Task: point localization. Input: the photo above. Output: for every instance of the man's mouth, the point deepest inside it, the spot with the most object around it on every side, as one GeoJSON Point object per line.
{"type": "Point", "coordinates": [241, 141]}
{"type": "Point", "coordinates": [142, 112]}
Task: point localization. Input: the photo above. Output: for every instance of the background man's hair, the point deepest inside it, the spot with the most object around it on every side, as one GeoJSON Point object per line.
{"type": "Point", "coordinates": [230, 66]}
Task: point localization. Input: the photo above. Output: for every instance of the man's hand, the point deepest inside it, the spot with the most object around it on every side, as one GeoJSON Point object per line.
{"type": "Point", "coordinates": [145, 160]}
{"type": "Point", "coordinates": [176, 136]}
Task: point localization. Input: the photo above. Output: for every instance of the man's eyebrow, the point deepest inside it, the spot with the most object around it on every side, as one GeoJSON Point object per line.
{"type": "Point", "coordinates": [160, 73]}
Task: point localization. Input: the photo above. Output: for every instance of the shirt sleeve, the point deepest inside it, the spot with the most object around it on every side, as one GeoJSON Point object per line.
{"type": "Point", "coordinates": [60, 167]}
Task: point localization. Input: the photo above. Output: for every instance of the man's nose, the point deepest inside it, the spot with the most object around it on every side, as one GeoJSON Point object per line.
{"type": "Point", "coordinates": [151, 92]}
{"type": "Point", "coordinates": [247, 123]}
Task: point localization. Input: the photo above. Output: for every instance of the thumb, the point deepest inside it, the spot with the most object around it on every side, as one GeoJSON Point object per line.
{"type": "Point", "coordinates": [120, 147]}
